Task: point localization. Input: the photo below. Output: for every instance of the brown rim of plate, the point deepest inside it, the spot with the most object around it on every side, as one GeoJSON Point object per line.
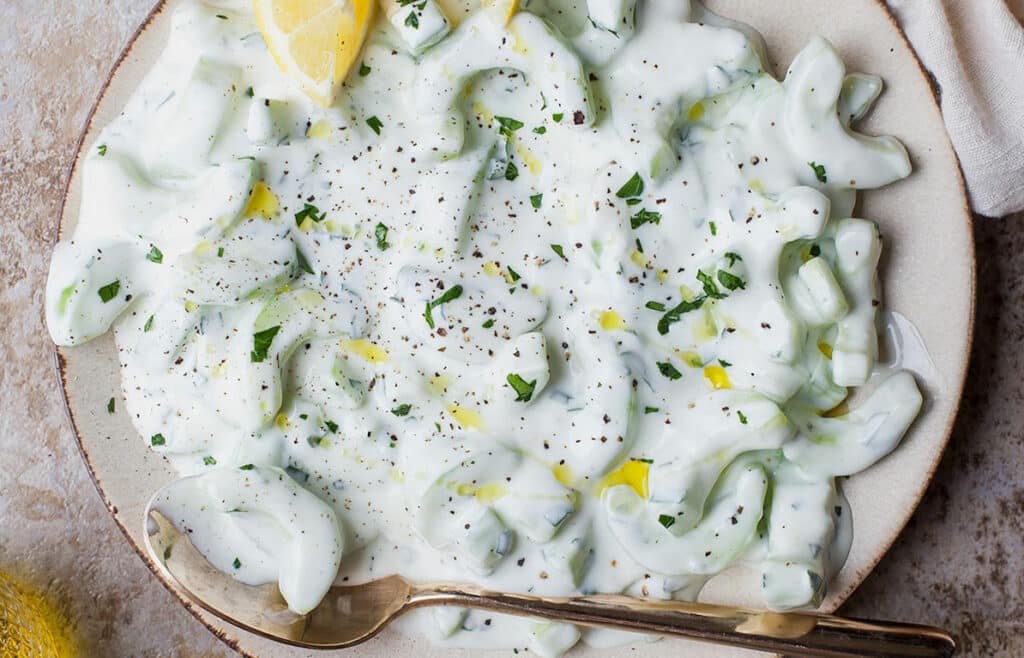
{"type": "Point", "coordinates": [859, 576]}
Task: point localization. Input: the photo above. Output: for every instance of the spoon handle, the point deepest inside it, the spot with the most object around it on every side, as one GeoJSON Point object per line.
{"type": "Point", "coordinates": [797, 633]}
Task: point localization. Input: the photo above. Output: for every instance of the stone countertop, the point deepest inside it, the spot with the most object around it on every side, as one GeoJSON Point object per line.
{"type": "Point", "coordinates": [957, 564]}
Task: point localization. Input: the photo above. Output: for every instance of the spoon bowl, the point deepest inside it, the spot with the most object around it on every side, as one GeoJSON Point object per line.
{"type": "Point", "coordinates": [350, 615]}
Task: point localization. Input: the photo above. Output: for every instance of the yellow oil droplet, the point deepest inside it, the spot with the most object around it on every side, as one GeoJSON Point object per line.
{"type": "Point", "coordinates": [481, 109]}
{"type": "Point", "coordinates": [219, 369]}
{"type": "Point", "coordinates": [396, 475]}
{"type": "Point", "coordinates": [365, 349]}
{"type": "Point", "coordinates": [30, 626]}
{"type": "Point", "coordinates": [825, 349]}
{"type": "Point", "coordinates": [519, 44]}
{"type": "Point", "coordinates": [467, 418]}
{"type": "Point", "coordinates": [691, 359]}
{"type": "Point", "coordinates": [696, 112]}
{"type": "Point", "coordinates": [490, 492]}
{"type": "Point", "coordinates": [532, 162]}
{"type": "Point", "coordinates": [190, 306]}
{"type": "Point", "coordinates": [837, 411]}
{"type": "Point", "coordinates": [332, 226]}
{"type": "Point", "coordinates": [491, 268]}
{"type": "Point", "coordinates": [202, 248]}
{"type": "Point", "coordinates": [563, 474]}
{"type": "Point", "coordinates": [439, 383]}
{"type": "Point", "coordinates": [261, 202]}
{"type": "Point", "coordinates": [282, 422]}
{"type": "Point", "coordinates": [308, 299]}
{"type": "Point", "coordinates": [319, 130]}
{"type": "Point", "coordinates": [638, 258]}
{"type": "Point", "coordinates": [536, 291]}
{"type": "Point", "coordinates": [662, 275]}
{"type": "Point", "coordinates": [687, 293]}
{"type": "Point", "coordinates": [718, 377]}
{"type": "Point", "coordinates": [465, 489]}
{"type": "Point", "coordinates": [756, 185]}
{"type": "Point", "coordinates": [611, 321]}
{"type": "Point", "coordinates": [632, 473]}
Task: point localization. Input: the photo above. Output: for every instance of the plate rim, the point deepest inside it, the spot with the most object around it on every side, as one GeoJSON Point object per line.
{"type": "Point", "coordinates": [840, 597]}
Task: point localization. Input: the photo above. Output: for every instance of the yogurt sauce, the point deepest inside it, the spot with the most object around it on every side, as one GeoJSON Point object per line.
{"type": "Point", "coordinates": [565, 306]}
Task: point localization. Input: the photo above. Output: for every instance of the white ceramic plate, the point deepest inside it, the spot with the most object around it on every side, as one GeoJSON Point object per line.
{"type": "Point", "coordinates": [928, 272]}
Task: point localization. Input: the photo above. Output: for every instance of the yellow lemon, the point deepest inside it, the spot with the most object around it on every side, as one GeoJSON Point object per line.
{"type": "Point", "coordinates": [315, 42]}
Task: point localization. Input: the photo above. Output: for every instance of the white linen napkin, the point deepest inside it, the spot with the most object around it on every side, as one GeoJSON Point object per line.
{"type": "Point", "coordinates": [975, 50]}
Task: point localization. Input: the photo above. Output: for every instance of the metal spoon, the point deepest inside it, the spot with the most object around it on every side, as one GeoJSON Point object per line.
{"type": "Point", "coordinates": [348, 616]}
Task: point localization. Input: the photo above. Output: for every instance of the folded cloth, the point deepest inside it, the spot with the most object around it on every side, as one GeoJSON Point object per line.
{"type": "Point", "coordinates": [975, 51]}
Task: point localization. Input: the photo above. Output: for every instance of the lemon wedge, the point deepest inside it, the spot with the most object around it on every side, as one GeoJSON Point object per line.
{"type": "Point", "coordinates": [503, 10]}
{"type": "Point", "coordinates": [315, 42]}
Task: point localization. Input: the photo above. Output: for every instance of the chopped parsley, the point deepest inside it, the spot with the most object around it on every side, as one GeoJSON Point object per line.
{"type": "Point", "coordinates": [412, 21]}
{"type": "Point", "coordinates": [557, 116]}
{"type": "Point", "coordinates": [331, 426]}
{"type": "Point", "coordinates": [523, 388]}
{"type": "Point", "coordinates": [402, 410]}
{"type": "Point", "coordinates": [220, 252]}
{"type": "Point", "coordinates": [512, 274]}
{"type": "Point", "coordinates": [645, 216]}
{"type": "Point", "coordinates": [488, 324]}
{"type": "Point", "coordinates": [730, 281]}
{"type": "Point", "coordinates": [451, 294]}
{"type": "Point", "coordinates": [303, 263]}
{"type": "Point", "coordinates": [381, 233]}
{"type": "Point", "coordinates": [109, 291]}
{"type": "Point", "coordinates": [642, 460]}
{"type": "Point", "coordinates": [261, 341]}
{"type": "Point", "coordinates": [536, 200]}
{"type": "Point", "coordinates": [102, 149]}
{"type": "Point", "coordinates": [669, 370]}
{"type": "Point", "coordinates": [732, 257]}
{"type": "Point", "coordinates": [209, 461]}
{"type": "Point", "coordinates": [155, 256]}
{"type": "Point", "coordinates": [508, 125]}
{"type": "Point", "coordinates": [655, 306]}
{"type": "Point", "coordinates": [246, 467]}
{"type": "Point", "coordinates": [540, 130]}
{"type": "Point", "coordinates": [237, 563]}
{"type": "Point", "coordinates": [375, 124]}
{"type": "Point", "coordinates": [149, 324]}
{"type": "Point", "coordinates": [713, 227]}
{"type": "Point", "coordinates": [674, 314]}
{"type": "Point", "coordinates": [651, 410]}
{"type": "Point", "coordinates": [724, 363]}
{"type": "Point", "coordinates": [710, 287]}
{"type": "Point", "coordinates": [557, 248]}
{"type": "Point", "coordinates": [819, 171]}
{"type": "Point", "coordinates": [222, 17]}
{"type": "Point", "coordinates": [634, 187]}
{"type": "Point", "coordinates": [743, 419]}
{"type": "Point", "coordinates": [364, 70]}
{"type": "Point", "coordinates": [309, 211]}
{"type": "Point", "coordinates": [157, 440]}
{"type": "Point", "coordinates": [250, 92]}
{"type": "Point", "coordinates": [666, 521]}
{"type": "Point", "coordinates": [511, 171]}
{"type": "Point", "coordinates": [110, 406]}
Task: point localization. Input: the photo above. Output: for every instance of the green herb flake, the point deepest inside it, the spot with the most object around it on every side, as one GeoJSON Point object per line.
{"type": "Point", "coordinates": [710, 287]}
{"type": "Point", "coordinates": [381, 233]}
{"type": "Point", "coordinates": [261, 341]}
{"type": "Point", "coordinates": [303, 263]}
{"type": "Point", "coordinates": [508, 124]}
{"type": "Point", "coordinates": [634, 202]}
{"type": "Point", "coordinates": [732, 257]}
{"type": "Point", "coordinates": [651, 410]}
{"type": "Point", "coordinates": [109, 291]}
{"type": "Point", "coordinates": [250, 92]}
{"type": "Point", "coordinates": [511, 171]}
{"type": "Point", "coordinates": [655, 306]}
{"type": "Point", "coordinates": [724, 363]}
{"type": "Point", "coordinates": [730, 281]}
{"type": "Point", "coordinates": [540, 130]}
{"type": "Point", "coordinates": [666, 521]}
{"type": "Point", "coordinates": [557, 116]}
{"type": "Point", "coordinates": [237, 563]}
{"type": "Point", "coordinates": [669, 370]}
{"type": "Point", "coordinates": [451, 294]}
{"type": "Point", "coordinates": [375, 124]}
{"type": "Point", "coordinates": [412, 21]}
{"type": "Point", "coordinates": [674, 314]}
{"type": "Point", "coordinates": [523, 388]}
{"type": "Point", "coordinates": [557, 248]}
{"type": "Point", "coordinates": [645, 216]}
{"type": "Point", "coordinates": [743, 419]}
{"type": "Point", "coordinates": [634, 187]}
{"type": "Point", "coordinates": [402, 410]}
{"type": "Point", "coordinates": [488, 324]}
{"type": "Point", "coordinates": [110, 406]}
{"type": "Point", "coordinates": [513, 274]}
{"type": "Point", "coordinates": [222, 17]}
{"type": "Point", "coordinates": [209, 461]}
{"type": "Point", "coordinates": [246, 467]}
{"type": "Point", "coordinates": [364, 70]}
{"type": "Point", "coordinates": [642, 460]}
{"type": "Point", "coordinates": [309, 211]}
{"type": "Point", "coordinates": [713, 227]}
{"type": "Point", "coordinates": [157, 440]}
{"type": "Point", "coordinates": [167, 553]}
{"type": "Point", "coordinates": [639, 246]}
{"type": "Point", "coordinates": [155, 256]}
{"type": "Point", "coordinates": [331, 426]}
{"type": "Point", "coordinates": [149, 324]}
{"type": "Point", "coordinates": [220, 252]}
{"type": "Point", "coordinates": [102, 149]}
{"type": "Point", "coordinates": [536, 200]}
{"type": "Point", "coordinates": [819, 171]}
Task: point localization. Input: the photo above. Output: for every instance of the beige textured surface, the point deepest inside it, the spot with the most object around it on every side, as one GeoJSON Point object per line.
{"type": "Point", "coordinates": [953, 566]}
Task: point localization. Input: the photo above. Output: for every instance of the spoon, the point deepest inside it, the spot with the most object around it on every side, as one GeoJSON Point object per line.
{"type": "Point", "coordinates": [348, 616]}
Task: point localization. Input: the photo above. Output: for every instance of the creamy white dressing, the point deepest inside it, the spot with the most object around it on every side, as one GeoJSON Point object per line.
{"type": "Point", "coordinates": [565, 306]}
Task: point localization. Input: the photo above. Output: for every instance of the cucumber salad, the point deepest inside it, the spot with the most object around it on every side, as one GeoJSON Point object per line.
{"type": "Point", "coordinates": [563, 301]}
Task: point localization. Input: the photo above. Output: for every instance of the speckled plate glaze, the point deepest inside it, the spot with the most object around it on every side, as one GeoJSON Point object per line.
{"type": "Point", "coordinates": [927, 269]}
